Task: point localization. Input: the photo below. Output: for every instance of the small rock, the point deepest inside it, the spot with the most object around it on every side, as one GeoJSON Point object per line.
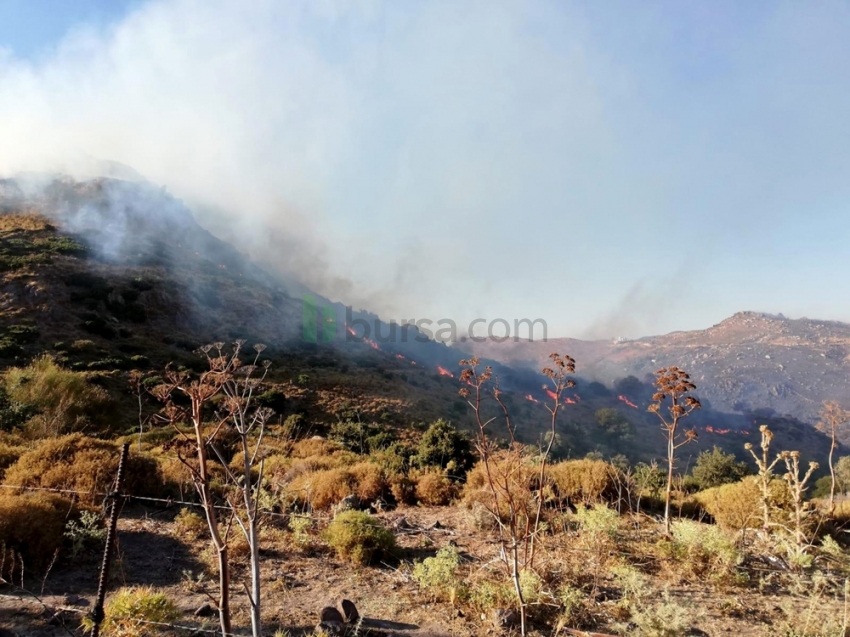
{"type": "Point", "coordinates": [205, 611]}
{"type": "Point", "coordinates": [505, 618]}
{"type": "Point", "coordinates": [75, 600]}
{"type": "Point", "coordinates": [331, 615]}
{"type": "Point", "coordinates": [329, 628]}
{"type": "Point", "coordinates": [348, 503]}
{"type": "Point", "coordinates": [349, 611]}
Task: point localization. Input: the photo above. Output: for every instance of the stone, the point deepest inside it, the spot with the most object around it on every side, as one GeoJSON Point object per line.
{"type": "Point", "coordinates": [348, 503]}
{"type": "Point", "coordinates": [75, 600]}
{"type": "Point", "coordinates": [505, 618]}
{"type": "Point", "coordinates": [205, 611]}
{"type": "Point", "coordinates": [349, 611]}
{"type": "Point", "coordinates": [331, 615]}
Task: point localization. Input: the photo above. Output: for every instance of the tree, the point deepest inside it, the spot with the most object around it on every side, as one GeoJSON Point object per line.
{"type": "Point", "coordinates": [833, 419]}
{"type": "Point", "coordinates": [613, 424]}
{"type": "Point", "coordinates": [675, 384]}
{"type": "Point", "coordinates": [714, 468]}
{"type": "Point", "coordinates": [199, 391]}
{"type": "Point", "coordinates": [242, 412]}
{"type": "Point", "coordinates": [442, 445]}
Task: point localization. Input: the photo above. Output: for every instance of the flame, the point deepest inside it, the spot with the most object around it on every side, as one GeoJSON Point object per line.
{"type": "Point", "coordinates": [399, 356]}
{"type": "Point", "coordinates": [627, 401]}
{"type": "Point", "coordinates": [569, 401]}
{"type": "Point", "coordinates": [413, 362]}
{"type": "Point", "coordinates": [372, 343]}
{"type": "Point", "coordinates": [444, 372]}
{"type": "Point", "coordinates": [552, 394]}
{"type": "Point", "coordinates": [531, 398]}
{"type": "Point", "coordinates": [722, 432]}
{"type": "Point", "coordinates": [350, 330]}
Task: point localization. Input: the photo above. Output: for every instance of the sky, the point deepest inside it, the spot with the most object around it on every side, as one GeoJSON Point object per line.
{"type": "Point", "coordinates": [614, 168]}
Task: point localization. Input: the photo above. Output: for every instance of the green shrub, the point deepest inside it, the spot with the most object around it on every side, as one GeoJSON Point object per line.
{"type": "Point", "coordinates": [358, 537]}
{"type": "Point", "coordinates": [715, 468]}
{"type": "Point", "coordinates": [127, 606]}
{"type": "Point", "coordinates": [190, 524]}
{"type": "Point", "coordinates": [704, 549]}
{"type": "Point", "coordinates": [443, 446]}
{"type": "Point", "coordinates": [86, 533]}
{"type": "Point", "coordinates": [438, 575]}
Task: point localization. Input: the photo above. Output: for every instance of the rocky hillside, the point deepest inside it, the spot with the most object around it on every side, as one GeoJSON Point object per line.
{"type": "Point", "coordinates": [749, 362]}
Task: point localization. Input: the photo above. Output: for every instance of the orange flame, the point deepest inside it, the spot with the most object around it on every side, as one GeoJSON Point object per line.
{"type": "Point", "coordinates": [569, 401]}
{"type": "Point", "coordinates": [552, 394]}
{"type": "Point", "coordinates": [399, 356]}
{"type": "Point", "coordinates": [722, 432]}
{"type": "Point", "coordinates": [531, 398]}
{"type": "Point", "coordinates": [627, 401]}
{"type": "Point", "coordinates": [372, 343]}
{"type": "Point", "coordinates": [413, 362]}
{"type": "Point", "coordinates": [350, 330]}
{"type": "Point", "coordinates": [444, 372]}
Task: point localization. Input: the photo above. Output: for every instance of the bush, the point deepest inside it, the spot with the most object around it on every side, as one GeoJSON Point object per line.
{"type": "Point", "coordinates": [189, 524]}
{"type": "Point", "coordinates": [438, 575]}
{"type": "Point", "coordinates": [434, 488]}
{"type": "Point", "coordinates": [737, 506]}
{"type": "Point", "coordinates": [84, 465]}
{"type": "Point", "coordinates": [704, 549]}
{"type": "Point", "coordinates": [359, 537]}
{"type": "Point", "coordinates": [314, 446]}
{"type": "Point", "coordinates": [65, 401]}
{"type": "Point", "coordinates": [11, 448]}
{"type": "Point", "coordinates": [585, 481]}
{"type": "Point", "coordinates": [33, 525]}
{"type": "Point", "coordinates": [523, 472]}
{"type": "Point", "coordinates": [445, 447]}
{"type": "Point", "coordinates": [87, 533]}
{"type": "Point", "coordinates": [324, 489]}
{"type": "Point", "coordinates": [715, 468]}
{"type": "Point", "coordinates": [127, 606]}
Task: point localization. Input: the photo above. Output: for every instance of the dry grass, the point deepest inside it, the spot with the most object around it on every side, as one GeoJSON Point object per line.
{"type": "Point", "coordinates": [29, 221]}
{"type": "Point", "coordinates": [32, 524]}
{"type": "Point", "coordinates": [84, 465]}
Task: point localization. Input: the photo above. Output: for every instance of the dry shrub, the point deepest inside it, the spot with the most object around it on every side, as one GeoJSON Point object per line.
{"type": "Point", "coordinates": [315, 446]}
{"type": "Point", "coordinates": [358, 537]}
{"type": "Point", "coordinates": [403, 488]}
{"type": "Point", "coordinates": [514, 474]}
{"type": "Point", "coordinates": [324, 489]}
{"type": "Point", "coordinates": [586, 481]}
{"type": "Point", "coordinates": [737, 506]}
{"type": "Point", "coordinates": [434, 488]}
{"type": "Point", "coordinates": [66, 401]}
{"type": "Point", "coordinates": [10, 451]}
{"type": "Point", "coordinates": [23, 221]}
{"type": "Point", "coordinates": [32, 524]}
{"type": "Point", "coordinates": [84, 465]}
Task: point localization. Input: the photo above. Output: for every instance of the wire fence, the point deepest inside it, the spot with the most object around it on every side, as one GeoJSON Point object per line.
{"type": "Point", "coordinates": [29, 597]}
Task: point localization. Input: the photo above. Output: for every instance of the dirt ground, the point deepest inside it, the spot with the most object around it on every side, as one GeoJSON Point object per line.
{"type": "Point", "coordinates": [300, 581]}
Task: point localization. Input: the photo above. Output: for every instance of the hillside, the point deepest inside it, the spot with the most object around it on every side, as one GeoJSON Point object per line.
{"type": "Point", "coordinates": [750, 361]}
{"type": "Point", "coordinates": [109, 276]}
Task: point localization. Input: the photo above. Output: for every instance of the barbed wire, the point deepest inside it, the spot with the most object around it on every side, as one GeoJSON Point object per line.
{"type": "Point", "coordinates": [399, 531]}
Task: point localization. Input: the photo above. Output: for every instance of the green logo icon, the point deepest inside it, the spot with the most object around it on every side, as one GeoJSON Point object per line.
{"type": "Point", "coordinates": [318, 321]}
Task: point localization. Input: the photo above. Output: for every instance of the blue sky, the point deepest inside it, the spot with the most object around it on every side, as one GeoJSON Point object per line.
{"type": "Point", "coordinates": [31, 28]}
{"type": "Point", "coordinates": [615, 168]}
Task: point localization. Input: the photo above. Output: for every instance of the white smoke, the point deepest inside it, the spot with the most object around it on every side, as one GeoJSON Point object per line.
{"type": "Point", "coordinates": [495, 159]}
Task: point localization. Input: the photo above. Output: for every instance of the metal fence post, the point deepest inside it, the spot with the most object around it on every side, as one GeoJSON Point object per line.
{"type": "Point", "coordinates": [97, 611]}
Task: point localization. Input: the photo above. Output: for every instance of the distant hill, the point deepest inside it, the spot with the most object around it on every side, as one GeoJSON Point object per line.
{"type": "Point", "coordinates": [748, 362]}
